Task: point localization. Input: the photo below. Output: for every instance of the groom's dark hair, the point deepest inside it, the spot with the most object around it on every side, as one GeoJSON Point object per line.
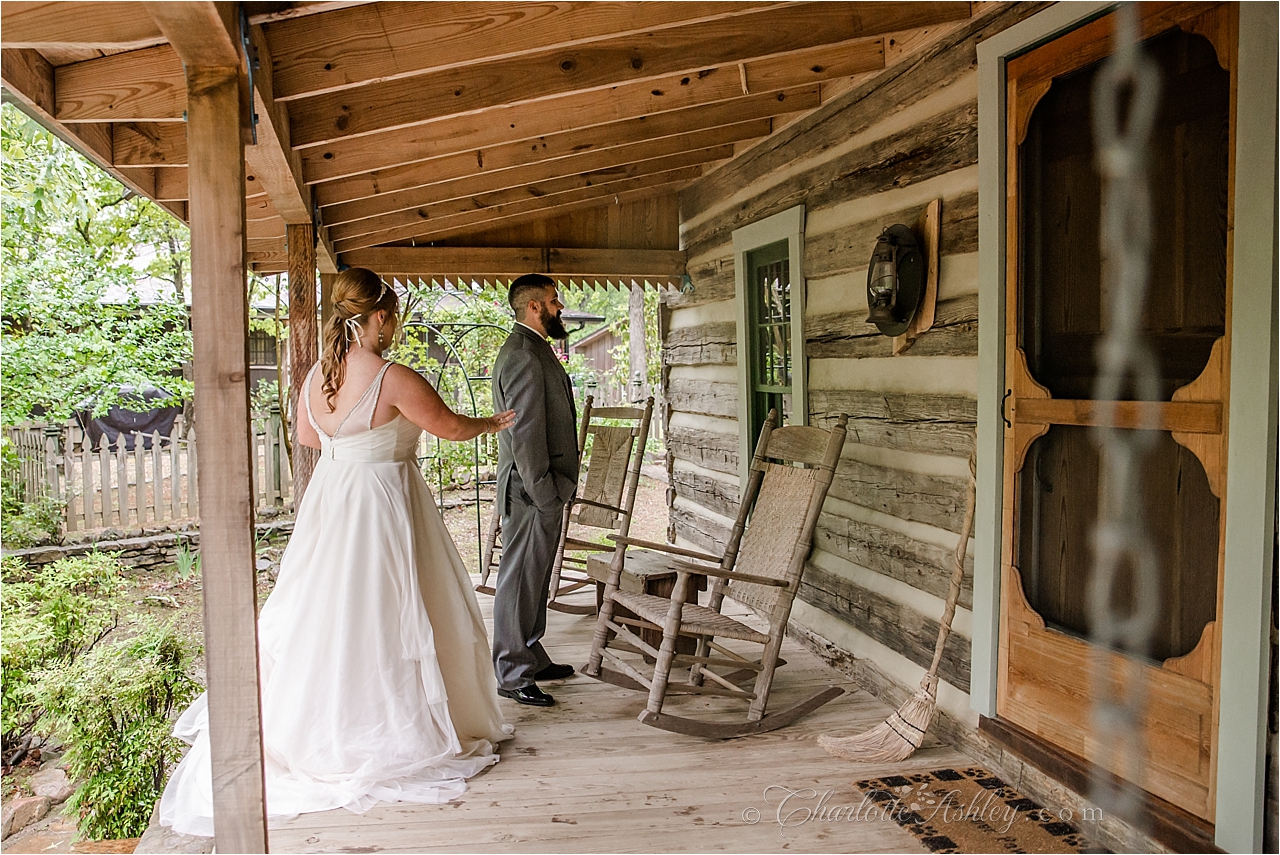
{"type": "Point", "coordinates": [522, 291]}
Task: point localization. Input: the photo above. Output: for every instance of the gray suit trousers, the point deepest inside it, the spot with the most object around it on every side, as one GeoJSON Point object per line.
{"type": "Point", "coordinates": [529, 541]}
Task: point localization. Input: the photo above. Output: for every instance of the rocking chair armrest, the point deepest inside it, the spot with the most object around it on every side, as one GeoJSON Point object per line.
{"type": "Point", "coordinates": [731, 575]}
{"type": "Point", "coordinates": [668, 548]}
{"type": "Point", "coordinates": [578, 500]}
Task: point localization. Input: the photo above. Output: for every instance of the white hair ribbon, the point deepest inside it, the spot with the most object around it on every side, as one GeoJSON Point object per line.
{"type": "Point", "coordinates": [353, 331]}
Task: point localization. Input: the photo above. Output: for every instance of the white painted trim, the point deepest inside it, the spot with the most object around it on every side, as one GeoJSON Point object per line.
{"type": "Point", "coordinates": [785, 225]}
{"type": "Point", "coordinates": [992, 54]}
{"type": "Point", "coordinates": [1251, 444]}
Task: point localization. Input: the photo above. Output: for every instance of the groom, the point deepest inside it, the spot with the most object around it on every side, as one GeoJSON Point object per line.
{"type": "Point", "coordinates": [537, 476]}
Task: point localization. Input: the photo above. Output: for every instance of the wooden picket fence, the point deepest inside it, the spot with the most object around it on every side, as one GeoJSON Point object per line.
{"type": "Point", "coordinates": [155, 481]}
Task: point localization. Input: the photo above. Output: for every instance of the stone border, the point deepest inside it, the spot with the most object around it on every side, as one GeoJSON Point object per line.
{"type": "Point", "coordinates": [146, 552]}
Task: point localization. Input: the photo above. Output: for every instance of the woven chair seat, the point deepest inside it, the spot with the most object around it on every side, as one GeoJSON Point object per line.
{"type": "Point", "coordinates": [694, 619]}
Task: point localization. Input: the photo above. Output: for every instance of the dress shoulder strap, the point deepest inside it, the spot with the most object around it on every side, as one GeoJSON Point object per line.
{"type": "Point", "coordinates": [306, 398]}
{"type": "Point", "coordinates": [371, 399]}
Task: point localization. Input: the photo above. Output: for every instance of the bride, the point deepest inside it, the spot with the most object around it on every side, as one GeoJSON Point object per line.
{"type": "Point", "coordinates": [376, 679]}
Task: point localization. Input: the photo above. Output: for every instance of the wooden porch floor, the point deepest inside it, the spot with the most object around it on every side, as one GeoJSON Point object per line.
{"type": "Point", "coordinates": [585, 776]}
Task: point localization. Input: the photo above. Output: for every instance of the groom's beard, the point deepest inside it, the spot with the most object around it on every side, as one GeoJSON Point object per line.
{"type": "Point", "coordinates": [552, 324]}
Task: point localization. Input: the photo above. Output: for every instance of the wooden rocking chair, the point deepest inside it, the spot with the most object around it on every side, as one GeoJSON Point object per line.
{"type": "Point", "coordinates": [604, 500]}
{"type": "Point", "coordinates": [761, 568]}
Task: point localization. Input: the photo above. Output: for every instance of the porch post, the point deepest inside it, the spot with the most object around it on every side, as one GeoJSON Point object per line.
{"type": "Point", "coordinates": [303, 349]}
{"type": "Point", "coordinates": [326, 304]}
{"type": "Point", "coordinates": [219, 323]}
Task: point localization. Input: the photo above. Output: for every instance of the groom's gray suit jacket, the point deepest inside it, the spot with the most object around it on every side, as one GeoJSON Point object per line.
{"type": "Point", "coordinates": [539, 453]}
{"type": "Point", "coordinates": [537, 475]}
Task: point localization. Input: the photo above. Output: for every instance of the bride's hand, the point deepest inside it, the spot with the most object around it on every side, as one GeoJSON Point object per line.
{"type": "Point", "coordinates": [500, 421]}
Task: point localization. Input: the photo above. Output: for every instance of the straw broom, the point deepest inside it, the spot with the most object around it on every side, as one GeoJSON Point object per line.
{"type": "Point", "coordinates": [900, 734]}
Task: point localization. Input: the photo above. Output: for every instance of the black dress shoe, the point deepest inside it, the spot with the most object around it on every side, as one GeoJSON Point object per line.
{"type": "Point", "coordinates": [528, 695]}
{"type": "Point", "coordinates": [554, 672]}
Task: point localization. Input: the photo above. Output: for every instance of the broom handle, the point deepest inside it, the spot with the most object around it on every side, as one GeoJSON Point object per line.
{"type": "Point", "coordinates": [957, 577]}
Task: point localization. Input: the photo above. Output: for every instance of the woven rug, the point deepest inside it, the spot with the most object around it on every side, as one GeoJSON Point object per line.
{"type": "Point", "coordinates": [971, 810]}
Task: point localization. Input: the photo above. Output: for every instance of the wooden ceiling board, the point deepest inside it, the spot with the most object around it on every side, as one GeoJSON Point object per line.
{"type": "Point", "coordinates": [386, 41]}
{"type": "Point", "coordinates": [470, 179]}
{"type": "Point", "coordinates": [645, 57]}
{"type": "Point", "coordinates": [529, 204]}
{"type": "Point", "coordinates": [78, 25]}
{"type": "Point", "coordinates": [529, 121]}
{"type": "Point", "coordinates": [467, 195]}
{"type": "Point", "coordinates": [145, 85]}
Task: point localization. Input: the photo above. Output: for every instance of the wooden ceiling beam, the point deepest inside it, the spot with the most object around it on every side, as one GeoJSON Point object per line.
{"type": "Point", "coordinates": [145, 85]}
{"type": "Point", "coordinates": [679, 51]}
{"type": "Point", "coordinates": [501, 261]}
{"type": "Point", "coordinates": [468, 194]}
{"type": "Point", "coordinates": [470, 161]}
{"type": "Point", "coordinates": [386, 41]}
{"type": "Point", "coordinates": [471, 180]}
{"type": "Point", "coordinates": [148, 143]}
{"type": "Point", "coordinates": [29, 80]}
{"type": "Point", "coordinates": [643, 101]}
{"type": "Point", "coordinates": [289, 11]}
{"type": "Point", "coordinates": [202, 33]}
{"type": "Point", "coordinates": [537, 205]}
{"type": "Point", "coordinates": [274, 161]}
{"type": "Point", "coordinates": [63, 25]}
{"type": "Point", "coordinates": [463, 230]}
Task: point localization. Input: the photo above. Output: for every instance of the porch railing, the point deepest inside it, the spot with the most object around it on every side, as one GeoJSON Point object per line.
{"type": "Point", "coordinates": [139, 478]}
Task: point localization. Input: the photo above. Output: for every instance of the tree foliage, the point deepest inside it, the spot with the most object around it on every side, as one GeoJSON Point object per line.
{"type": "Point", "coordinates": [71, 233]}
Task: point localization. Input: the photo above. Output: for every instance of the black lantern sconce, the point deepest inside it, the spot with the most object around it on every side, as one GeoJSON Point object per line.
{"type": "Point", "coordinates": [896, 280]}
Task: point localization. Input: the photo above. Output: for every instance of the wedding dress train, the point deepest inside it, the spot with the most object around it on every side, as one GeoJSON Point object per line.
{"type": "Point", "coordinates": [376, 677]}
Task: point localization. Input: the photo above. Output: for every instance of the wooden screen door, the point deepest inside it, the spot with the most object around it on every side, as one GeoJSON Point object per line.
{"type": "Point", "coordinates": [1055, 317]}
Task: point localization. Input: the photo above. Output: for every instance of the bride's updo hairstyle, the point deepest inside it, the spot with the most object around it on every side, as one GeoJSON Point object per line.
{"type": "Point", "coordinates": [357, 293]}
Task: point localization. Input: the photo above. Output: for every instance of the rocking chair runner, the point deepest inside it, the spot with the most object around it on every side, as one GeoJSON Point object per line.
{"type": "Point", "coordinates": [604, 500]}
{"type": "Point", "coordinates": [761, 567]}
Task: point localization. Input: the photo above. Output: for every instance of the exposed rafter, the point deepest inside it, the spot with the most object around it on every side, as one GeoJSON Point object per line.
{"type": "Point", "coordinates": [500, 262]}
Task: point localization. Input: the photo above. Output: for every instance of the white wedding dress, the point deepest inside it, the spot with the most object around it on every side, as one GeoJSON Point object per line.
{"type": "Point", "coordinates": [377, 683]}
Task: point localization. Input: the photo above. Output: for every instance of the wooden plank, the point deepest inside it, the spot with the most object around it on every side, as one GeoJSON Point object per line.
{"type": "Point", "coordinates": [936, 500]}
{"type": "Point", "coordinates": [642, 139]}
{"type": "Point", "coordinates": [847, 335]}
{"type": "Point", "coordinates": [576, 113]}
{"type": "Point", "coordinates": [942, 144]}
{"type": "Point", "coordinates": [99, 25]}
{"type": "Point", "coordinates": [148, 144]}
{"type": "Point", "coordinates": [880, 97]}
{"type": "Point", "coordinates": [171, 184]}
{"type": "Point", "coordinates": [476, 172]}
{"type": "Point", "coordinates": [848, 248]}
{"type": "Point", "coordinates": [1185, 416]}
{"type": "Point", "coordinates": [506, 262]}
{"type": "Point", "coordinates": [304, 344]}
{"type": "Point", "coordinates": [711, 493]}
{"type": "Point", "coordinates": [933, 424]}
{"type": "Point", "coordinates": [202, 33]}
{"type": "Point", "coordinates": [824, 62]}
{"type": "Point", "coordinates": [385, 41]}
{"type": "Point", "coordinates": [467, 195]}
{"type": "Point", "coordinates": [710, 450]}
{"type": "Point", "coordinates": [700, 530]}
{"type": "Point", "coordinates": [705, 397]}
{"type": "Point", "coordinates": [277, 167]}
{"type": "Point", "coordinates": [219, 331]}
{"type": "Point", "coordinates": [921, 565]}
{"type": "Point", "coordinates": [710, 282]}
{"type": "Point", "coordinates": [706, 344]}
{"type": "Point", "coordinates": [684, 50]}
{"type": "Point", "coordinates": [898, 627]}
{"type": "Point", "coordinates": [139, 86]}
{"type": "Point", "coordinates": [536, 205]}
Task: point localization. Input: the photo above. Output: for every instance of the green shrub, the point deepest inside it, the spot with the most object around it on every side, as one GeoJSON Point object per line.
{"type": "Point", "coordinates": [51, 616]}
{"type": "Point", "coordinates": [24, 521]}
{"type": "Point", "coordinates": [112, 707]}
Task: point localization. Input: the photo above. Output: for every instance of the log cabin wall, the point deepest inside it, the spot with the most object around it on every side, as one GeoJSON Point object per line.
{"type": "Point", "coordinates": [875, 156]}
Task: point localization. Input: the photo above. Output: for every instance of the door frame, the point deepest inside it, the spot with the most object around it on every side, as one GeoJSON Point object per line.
{"type": "Point", "coordinates": [1252, 424]}
{"type": "Point", "coordinates": [785, 225]}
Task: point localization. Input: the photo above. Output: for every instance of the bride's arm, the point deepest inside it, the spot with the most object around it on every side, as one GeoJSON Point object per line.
{"type": "Point", "coordinates": [418, 401]}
